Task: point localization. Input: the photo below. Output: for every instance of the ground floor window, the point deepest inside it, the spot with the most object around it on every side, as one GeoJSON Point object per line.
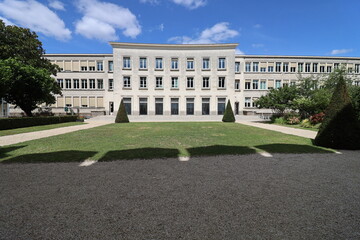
{"type": "Point", "coordinates": [247, 102]}
{"type": "Point", "coordinates": [127, 104]}
{"type": "Point", "coordinates": [190, 106]}
{"type": "Point", "coordinates": [221, 106]}
{"type": "Point", "coordinates": [205, 106]}
{"type": "Point", "coordinates": [159, 106]}
{"type": "Point", "coordinates": [143, 106]}
{"type": "Point", "coordinates": [174, 106]}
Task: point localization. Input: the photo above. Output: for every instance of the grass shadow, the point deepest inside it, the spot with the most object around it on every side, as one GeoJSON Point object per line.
{"type": "Point", "coordinates": [292, 148]}
{"type": "Point", "coordinates": [52, 157]}
{"type": "Point", "coordinates": [219, 150]}
{"type": "Point", "coordinates": [5, 150]}
{"type": "Point", "coordinates": [140, 153]}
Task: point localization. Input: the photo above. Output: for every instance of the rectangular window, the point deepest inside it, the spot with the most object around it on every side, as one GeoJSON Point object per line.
{"type": "Point", "coordinates": [322, 69]}
{"type": "Point", "coordinates": [174, 106]}
{"type": "Point", "coordinates": [300, 67]}
{"type": "Point", "coordinates": [270, 68]}
{"type": "Point", "coordinates": [83, 83]}
{"type": "Point", "coordinates": [111, 66]}
{"type": "Point", "coordinates": [293, 69]}
{"type": "Point", "coordinates": [206, 63]}
{"type": "Point", "coordinates": [247, 84]}
{"type": "Point", "coordinates": [143, 106]}
{"type": "Point", "coordinates": [221, 83]}
{"type": "Point", "coordinates": [127, 82]}
{"type": "Point", "coordinates": [222, 63]}
{"type": "Point", "coordinates": [350, 70]}
{"type": "Point", "coordinates": [111, 84]}
{"type": "Point", "coordinates": [190, 64]}
{"type": "Point", "coordinates": [277, 83]}
{"type": "Point", "coordinates": [190, 106]}
{"type": "Point", "coordinates": [205, 106]}
{"type": "Point", "coordinates": [174, 64]}
{"type": "Point", "coordinates": [126, 62]}
{"type": "Point", "coordinates": [357, 68]}
{"type": "Point", "coordinates": [357, 83]}
{"type": "Point", "coordinates": [263, 84]}
{"type": "Point", "coordinates": [206, 83]}
{"type": "Point", "coordinates": [159, 63]}
{"type": "Point", "coordinates": [100, 66]}
{"type": "Point", "coordinates": [76, 84]}
{"type": "Point", "coordinates": [100, 84]}
{"type": "Point", "coordinates": [286, 67]}
{"type": "Point", "coordinates": [174, 82]}
{"type": "Point", "coordinates": [92, 83]}
{"type": "Point", "coordinates": [255, 66]}
{"type": "Point", "coordinates": [221, 106]}
{"type": "Point", "coordinates": [328, 69]}
{"type": "Point", "coordinates": [278, 67]}
{"type": "Point", "coordinates": [143, 63]}
{"type": "Point", "coordinates": [159, 82]}
{"type": "Point", "coordinates": [247, 67]}
{"type": "Point", "coordinates": [83, 68]}
{"type": "Point", "coordinates": [247, 102]}
{"type": "Point", "coordinates": [263, 69]}
{"type": "Point", "coordinates": [253, 102]}
{"type": "Point", "coordinates": [237, 84]}
{"type": "Point", "coordinates": [292, 83]}
{"type": "Point", "coordinates": [143, 82]}
{"type": "Point", "coordinates": [159, 110]}
{"type": "Point", "coordinates": [60, 83]}
{"type": "Point", "coordinates": [237, 67]}
{"type": "Point", "coordinates": [307, 67]}
{"type": "Point", "coordinates": [91, 68]}
{"type": "Point", "coordinates": [190, 82]}
{"type": "Point", "coordinates": [68, 83]}
{"type": "Point", "coordinates": [336, 66]}
{"type": "Point", "coordinates": [315, 67]}
{"type": "Point", "coordinates": [127, 104]}
{"type": "Point", "coordinates": [255, 84]}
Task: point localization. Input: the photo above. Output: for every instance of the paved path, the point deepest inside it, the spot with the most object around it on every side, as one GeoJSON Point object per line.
{"type": "Point", "coordinates": [286, 130]}
{"type": "Point", "coordinates": [23, 137]}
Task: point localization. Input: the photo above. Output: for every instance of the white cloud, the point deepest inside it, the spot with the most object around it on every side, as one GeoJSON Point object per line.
{"type": "Point", "coordinates": [152, 2]}
{"type": "Point", "coordinates": [190, 4]}
{"type": "Point", "coordinates": [220, 32]}
{"type": "Point", "coordinates": [36, 16]}
{"type": "Point", "coordinates": [161, 27]}
{"type": "Point", "coordinates": [56, 5]}
{"type": "Point", "coordinates": [257, 45]}
{"type": "Point", "coordinates": [239, 52]}
{"type": "Point", "coordinates": [340, 51]}
{"type": "Point", "coordinates": [102, 19]}
{"type": "Point", "coordinates": [257, 26]}
{"type": "Point", "coordinates": [7, 22]}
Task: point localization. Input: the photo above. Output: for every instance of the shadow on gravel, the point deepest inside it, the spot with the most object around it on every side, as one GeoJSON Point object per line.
{"type": "Point", "coordinates": [292, 148]}
{"type": "Point", "coordinates": [140, 153]}
{"type": "Point", "coordinates": [219, 150]}
{"type": "Point", "coordinates": [5, 150]}
{"type": "Point", "coordinates": [52, 157]}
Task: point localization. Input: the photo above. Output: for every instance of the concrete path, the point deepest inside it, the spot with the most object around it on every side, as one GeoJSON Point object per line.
{"type": "Point", "coordinates": [286, 130]}
{"type": "Point", "coordinates": [23, 137]}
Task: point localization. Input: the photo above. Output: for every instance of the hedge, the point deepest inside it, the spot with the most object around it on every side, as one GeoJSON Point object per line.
{"type": "Point", "coordinates": [11, 123]}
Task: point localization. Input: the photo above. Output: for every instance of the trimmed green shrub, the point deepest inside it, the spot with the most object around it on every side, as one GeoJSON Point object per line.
{"type": "Point", "coordinates": [121, 116]}
{"type": "Point", "coordinates": [229, 114]}
{"type": "Point", "coordinates": [280, 120]}
{"type": "Point", "coordinates": [340, 128]}
{"type": "Point", "coordinates": [11, 123]}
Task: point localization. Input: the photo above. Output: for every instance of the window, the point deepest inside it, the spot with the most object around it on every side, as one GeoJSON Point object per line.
{"type": "Point", "coordinates": [143, 106]}
{"type": "Point", "coordinates": [174, 63]}
{"type": "Point", "coordinates": [247, 67]}
{"type": "Point", "coordinates": [67, 83]}
{"type": "Point", "coordinates": [336, 65]}
{"type": "Point", "coordinates": [221, 82]}
{"type": "Point", "coordinates": [328, 69]}
{"type": "Point", "coordinates": [159, 63]}
{"type": "Point", "coordinates": [237, 67]}
{"type": "Point", "coordinates": [111, 66]}
{"type": "Point", "coordinates": [300, 67]}
{"type": "Point", "coordinates": [315, 67]}
{"type": "Point", "coordinates": [357, 68]}
{"type": "Point", "coordinates": [91, 68]}
{"type": "Point", "coordinates": [277, 83]}
{"type": "Point", "coordinates": [174, 82]}
{"type": "Point", "coordinates": [237, 84]}
{"type": "Point", "coordinates": [255, 84]}
{"type": "Point", "coordinates": [221, 106]}
{"type": "Point", "coordinates": [278, 67]}
{"type": "Point", "coordinates": [357, 83]}
{"type": "Point", "coordinates": [293, 69]}
{"type": "Point", "coordinates": [100, 66]}
{"type": "Point", "coordinates": [270, 68]}
{"type": "Point", "coordinates": [100, 84]}
{"type": "Point", "coordinates": [159, 106]}
{"type": "Point", "coordinates": [92, 83]}
{"type": "Point", "coordinates": [285, 83]}
{"type": "Point", "coordinates": [350, 70]}
{"type": "Point", "coordinates": [307, 67]}
{"type": "Point", "coordinates": [190, 82]}
{"type": "Point", "coordinates": [83, 83]}
{"type": "Point", "coordinates": [76, 83]}
{"type": "Point", "coordinates": [127, 104]}
{"type": "Point", "coordinates": [111, 84]}
{"type": "Point", "coordinates": [143, 83]}
{"type": "Point", "coordinates": [222, 64]}
{"type": "Point", "coordinates": [83, 68]}
{"type": "Point", "coordinates": [61, 83]}
{"type": "Point", "coordinates": [159, 82]}
{"type": "Point", "coordinates": [143, 63]}
{"type": "Point", "coordinates": [127, 82]}
{"type": "Point", "coordinates": [263, 69]}
{"type": "Point", "coordinates": [255, 66]}
{"type": "Point", "coordinates": [286, 67]}
{"type": "Point", "coordinates": [263, 84]}
{"type": "Point", "coordinates": [247, 84]}
{"type": "Point", "coordinates": [322, 69]}
{"type": "Point", "coordinates": [247, 102]}
{"type": "Point", "coordinates": [206, 82]}
{"type": "Point", "coordinates": [292, 83]}
{"type": "Point", "coordinates": [205, 106]}
{"type": "Point", "coordinates": [190, 64]}
{"type": "Point", "coordinates": [174, 106]}
{"type": "Point", "coordinates": [126, 62]}
{"type": "Point", "coordinates": [190, 106]}
{"type": "Point", "coordinates": [253, 104]}
{"type": "Point", "coordinates": [206, 63]}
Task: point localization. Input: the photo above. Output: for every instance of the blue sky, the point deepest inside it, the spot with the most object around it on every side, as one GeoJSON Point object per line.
{"type": "Point", "coordinates": [277, 27]}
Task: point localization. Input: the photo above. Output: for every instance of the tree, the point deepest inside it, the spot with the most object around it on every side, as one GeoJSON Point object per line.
{"type": "Point", "coordinates": [316, 102]}
{"type": "Point", "coordinates": [355, 98]}
{"type": "Point", "coordinates": [121, 116]}
{"type": "Point", "coordinates": [229, 114]}
{"type": "Point", "coordinates": [340, 128]}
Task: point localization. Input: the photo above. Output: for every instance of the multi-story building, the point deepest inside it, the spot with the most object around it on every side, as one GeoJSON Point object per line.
{"type": "Point", "coordinates": [176, 79]}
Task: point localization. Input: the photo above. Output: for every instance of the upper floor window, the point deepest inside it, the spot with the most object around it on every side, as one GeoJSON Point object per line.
{"type": "Point", "coordinates": [190, 82]}
{"type": "Point", "coordinates": [91, 68]}
{"type": "Point", "coordinates": [127, 82]}
{"type": "Point", "coordinates": [247, 84]}
{"type": "Point", "coordinates": [255, 84]}
{"type": "Point", "coordinates": [174, 82]}
{"type": "Point", "coordinates": [237, 67]}
{"type": "Point", "coordinates": [328, 69]}
{"type": "Point", "coordinates": [92, 83]}
{"type": "Point", "coordinates": [336, 65]}
{"type": "Point", "coordinates": [350, 70]}
{"type": "Point", "coordinates": [263, 69]}
{"type": "Point", "coordinates": [159, 82]}
{"type": "Point", "coordinates": [174, 63]}
{"type": "Point", "coordinates": [76, 83]}
{"type": "Point", "coordinates": [255, 66]}
{"type": "Point", "coordinates": [277, 83]}
{"type": "Point", "coordinates": [159, 63]}
{"type": "Point", "coordinates": [293, 69]}
{"type": "Point", "coordinates": [100, 66]}
{"type": "Point", "coordinates": [237, 84]}
{"type": "Point", "coordinates": [83, 83]}
{"type": "Point", "coordinates": [206, 82]}
{"type": "Point", "coordinates": [322, 69]}
{"type": "Point", "coordinates": [300, 67]}
{"type": "Point", "coordinates": [221, 82]}
{"type": "Point", "coordinates": [111, 84]}
{"type": "Point", "coordinates": [111, 66]}
{"type": "Point", "coordinates": [67, 83]}
{"type": "Point", "coordinates": [206, 63]}
{"type": "Point", "coordinates": [315, 67]}
{"type": "Point", "coordinates": [307, 67]}
{"type": "Point", "coordinates": [270, 68]}
{"type": "Point", "coordinates": [83, 68]}
{"type": "Point", "coordinates": [143, 82]}
{"type": "Point", "coordinates": [247, 67]}
{"type": "Point", "coordinates": [143, 63]}
{"type": "Point", "coordinates": [61, 83]}
{"type": "Point", "coordinates": [278, 67]}
{"type": "Point", "coordinates": [190, 64]}
{"type": "Point", "coordinates": [357, 68]}
{"type": "Point", "coordinates": [100, 84]}
{"type": "Point", "coordinates": [222, 63]}
{"type": "Point", "coordinates": [126, 62]}
{"type": "Point", "coordinates": [263, 84]}
{"type": "Point", "coordinates": [286, 67]}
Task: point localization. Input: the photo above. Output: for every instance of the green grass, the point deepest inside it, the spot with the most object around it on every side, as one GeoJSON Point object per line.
{"type": "Point", "coordinates": [154, 140]}
{"type": "Point", "coordinates": [296, 126]}
{"type": "Point", "coordinates": [37, 128]}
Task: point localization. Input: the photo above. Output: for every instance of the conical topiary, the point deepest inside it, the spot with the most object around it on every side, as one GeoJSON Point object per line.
{"type": "Point", "coordinates": [229, 114]}
{"type": "Point", "coordinates": [121, 116]}
{"type": "Point", "coordinates": [340, 128]}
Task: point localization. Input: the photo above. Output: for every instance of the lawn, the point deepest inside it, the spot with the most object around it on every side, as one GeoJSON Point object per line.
{"type": "Point", "coordinates": [37, 128]}
{"type": "Point", "coordinates": [296, 126]}
{"type": "Point", "coordinates": [156, 140]}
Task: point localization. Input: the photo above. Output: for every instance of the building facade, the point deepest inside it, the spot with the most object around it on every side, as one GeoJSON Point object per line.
{"type": "Point", "coordinates": [176, 79]}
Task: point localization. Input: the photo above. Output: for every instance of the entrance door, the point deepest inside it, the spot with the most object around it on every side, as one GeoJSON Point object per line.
{"type": "Point", "coordinates": [236, 108]}
{"type": "Point", "coordinates": [111, 108]}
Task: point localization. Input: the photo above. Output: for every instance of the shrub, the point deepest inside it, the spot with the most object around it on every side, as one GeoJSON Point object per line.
{"type": "Point", "coordinates": [229, 114]}
{"type": "Point", "coordinates": [306, 123]}
{"type": "Point", "coordinates": [121, 116]}
{"type": "Point", "coordinates": [280, 120]}
{"type": "Point", "coordinates": [293, 120]}
{"type": "Point", "coordinates": [11, 123]}
{"type": "Point", "coordinates": [317, 118]}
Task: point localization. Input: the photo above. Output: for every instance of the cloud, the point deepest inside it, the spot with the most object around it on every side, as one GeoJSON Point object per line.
{"type": "Point", "coordinates": [257, 45]}
{"type": "Point", "coordinates": [220, 32]}
{"type": "Point", "coordinates": [340, 51]}
{"type": "Point", "coordinates": [7, 22]}
{"type": "Point", "coordinates": [161, 27]}
{"type": "Point", "coordinates": [152, 2]}
{"type": "Point", "coordinates": [56, 5]}
{"type": "Point", "coordinates": [239, 52]}
{"type": "Point", "coordinates": [36, 16]}
{"type": "Point", "coordinates": [102, 19]}
{"type": "Point", "coordinates": [190, 4]}
{"type": "Point", "coordinates": [257, 26]}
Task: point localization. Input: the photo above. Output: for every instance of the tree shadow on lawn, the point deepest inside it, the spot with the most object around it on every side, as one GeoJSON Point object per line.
{"type": "Point", "coordinates": [292, 148]}
{"type": "Point", "coordinates": [140, 153]}
{"type": "Point", "coordinates": [219, 150]}
{"type": "Point", "coordinates": [51, 157]}
{"type": "Point", "coordinates": [5, 150]}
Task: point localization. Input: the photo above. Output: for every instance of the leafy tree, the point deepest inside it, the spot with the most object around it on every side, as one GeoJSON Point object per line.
{"type": "Point", "coordinates": [355, 98]}
{"type": "Point", "coordinates": [316, 102]}
{"type": "Point", "coordinates": [121, 116]}
{"type": "Point", "coordinates": [229, 114]}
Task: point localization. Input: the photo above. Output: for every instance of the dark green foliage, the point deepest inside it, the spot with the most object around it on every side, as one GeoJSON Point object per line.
{"type": "Point", "coordinates": [229, 114]}
{"type": "Point", "coordinates": [11, 123]}
{"type": "Point", "coordinates": [121, 116]}
{"type": "Point", "coordinates": [340, 128]}
{"type": "Point", "coordinates": [355, 97]}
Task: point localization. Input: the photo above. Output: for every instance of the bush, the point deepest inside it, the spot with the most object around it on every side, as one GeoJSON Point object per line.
{"type": "Point", "coordinates": [306, 123]}
{"type": "Point", "coordinates": [121, 116]}
{"type": "Point", "coordinates": [11, 123]}
{"type": "Point", "coordinates": [229, 114]}
{"type": "Point", "coordinates": [293, 120]}
{"type": "Point", "coordinates": [280, 120]}
{"type": "Point", "coordinates": [317, 118]}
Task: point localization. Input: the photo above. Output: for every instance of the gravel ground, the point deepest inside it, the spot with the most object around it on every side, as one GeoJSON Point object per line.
{"type": "Point", "coordinates": [288, 196]}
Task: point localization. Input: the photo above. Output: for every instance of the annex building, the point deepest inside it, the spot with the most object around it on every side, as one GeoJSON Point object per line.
{"type": "Point", "coordinates": [177, 79]}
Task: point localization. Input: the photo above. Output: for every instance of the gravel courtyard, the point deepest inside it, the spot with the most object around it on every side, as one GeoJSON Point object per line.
{"type": "Point", "coordinates": [287, 196]}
